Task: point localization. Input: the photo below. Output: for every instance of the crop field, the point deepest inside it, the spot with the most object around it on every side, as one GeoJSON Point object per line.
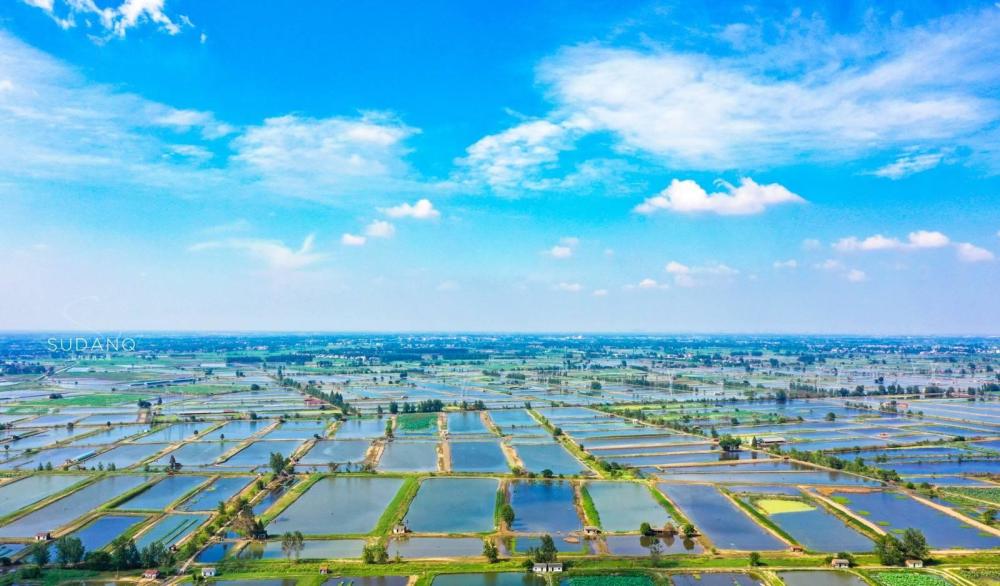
{"type": "Point", "coordinates": [908, 579]}
{"type": "Point", "coordinates": [678, 467]}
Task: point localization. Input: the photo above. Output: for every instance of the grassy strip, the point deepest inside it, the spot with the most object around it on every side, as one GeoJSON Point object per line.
{"type": "Point", "coordinates": [289, 497]}
{"type": "Point", "coordinates": [501, 500]}
{"type": "Point", "coordinates": [589, 509]}
{"type": "Point", "coordinates": [127, 495]}
{"type": "Point", "coordinates": [673, 511]}
{"type": "Point", "coordinates": [848, 519]}
{"type": "Point", "coordinates": [567, 444]}
{"type": "Point", "coordinates": [397, 508]}
{"type": "Point", "coordinates": [761, 518]}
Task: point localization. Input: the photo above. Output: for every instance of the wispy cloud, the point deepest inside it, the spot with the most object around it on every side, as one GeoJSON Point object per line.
{"type": "Point", "coordinates": [512, 159]}
{"type": "Point", "coordinates": [116, 20]}
{"type": "Point", "coordinates": [314, 157]}
{"type": "Point", "coordinates": [909, 164]}
{"type": "Point", "coordinates": [833, 97]}
{"type": "Point", "coordinates": [273, 253]}
{"type": "Point", "coordinates": [694, 276]}
{"type": "Point", "coordinates": [687, 197]}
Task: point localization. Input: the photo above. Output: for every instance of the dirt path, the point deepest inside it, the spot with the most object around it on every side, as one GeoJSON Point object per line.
{"type": "Point", "coordinates": [444, 456]}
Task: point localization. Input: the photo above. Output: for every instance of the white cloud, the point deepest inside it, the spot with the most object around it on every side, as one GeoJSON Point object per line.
{"type": "Point", "coordinates": [422, 210]}
{"type": "Point", "coordinates": [830, 265]}
{"type": "Point", "coordinates": [686, 196]}
{"type": "Point", "coordinates": [685, 276]}
{"type": "Point", "coordinates": [313, 157]}
{"type": "Point", "coordinates": [835, 266]}
{"type": "Point", "coordinates": [600, 293]}
{"type": "Point", "coordinates": [447, 286]}
{"type": "Point", "coordinates": [203, 38]}
{"type": "Point", "coordinates": [115, 21]}
{"type": "Point", "coordinates": [559, 251]}
{"type": "Point", "coordinates": [855, 276]}
{"type": "Point", "coordinates": [569, 287]}
{"type": "Point", "coordinates": [786, 264]}
{"type": "Point", "coordinates": [675, 268]}
{"type": "Point", "coordinates": [811, 93]}
{"type": "Point", "coordinates": [909, 164]}
{"type": "Point", "coordinates": [380, 229]}
{"type": "Point", "coordinates": [648, 284]}
{"type": "Point", "coordinates": [352, 240]}
{"type": "Point", "coordinates": [567, 245]}
{"type": "Point", "coordinates": [273, 253]}
{"type": "Point", "coordinates": [968, 252]}
{"type": "Point", "coordinates": [811, 244]}
{"type": "Point", "coordinates": [921, 239]}
{"type": "Point", "coordinates": [927, 239]}
{"type": "Point", "coordinates": [512, 159]}
{"type": "Point", "coordinates": [876, 242]}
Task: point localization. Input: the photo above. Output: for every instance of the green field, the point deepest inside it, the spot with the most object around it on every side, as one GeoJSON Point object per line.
{"type": "Point", "coordinates": [908, 578]}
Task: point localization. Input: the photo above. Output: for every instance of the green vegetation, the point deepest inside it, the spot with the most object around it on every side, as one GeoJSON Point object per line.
{"type": "Point", "coordinates": [415, 422]}
{"type": "Point", "coordinates": [396, 509]}
{"type": "Point", "coordinates": [589, 509]}
{"type": "Point", "coordinates": [908, 579]}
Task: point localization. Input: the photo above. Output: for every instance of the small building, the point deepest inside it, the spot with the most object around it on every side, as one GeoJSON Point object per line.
{"type": "Point", "coordinates": [914, 563]}
{"type": "Point", "coordinates": [324, 570]}
{"type": "Point", "coordinates": [591, 531]}
{"type": "Point", "coordinates": [770, 440]}
{"type": "Point", "coordinates": [547, 567]}
{"type": "Point", "coordinates": [840, 563]}
{"type": "Point", "coordinates": [151, 574]}
{"type": "Point", "coordinates": [208, 572]}
{"type": "Point", "coordinates": [43, 536]}
{"type": "Point", "coordinates": [400, 529]}
{"type": "Point", "coordinates": [797, 549]}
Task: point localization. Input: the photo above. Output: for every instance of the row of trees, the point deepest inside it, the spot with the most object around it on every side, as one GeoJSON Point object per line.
{"type": "Point", "coordinates": [123, 555]}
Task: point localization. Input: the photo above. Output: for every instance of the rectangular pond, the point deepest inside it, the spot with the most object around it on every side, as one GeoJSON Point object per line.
{"type": "Point", "coordinates": [104, 530]}
{"type": "Point", "coordinates": [478, 456]}
{"type": "Point", "coordinates": [21, 493]}
{"type": "Point", "coordinates": [549, 456]}
{"type": "Point", "coordinates": [71, 507]}
{"type": "Point", "coordinates": [453, 505]}
{"type": "Point", "coordinates": [623, 506]}
{"type": "Point", "coordinates": [339, 451]}
{"type": "Point", "coordinates": [812, 525]}
{"type": "Point", "coordinates": [222, 490]}
{"type": "Point", "coordinates": [161, 494]}
{"type": "Point", "coordinates": [339, 505]}
{"type": "Point", "coordinates": [892, 511]}
{"type": "Point", "coordinates": [318, 549]}
{"type": "Point", "coordinates": [170, 529]}
{"type": "Point", "coordinates": [719, 519]}
{"type": "Point", "coordinates": [409, 456]}
{"type": "Point", "coordinates": [466, 422]}
{"type": "Point", "coordinates": [544, 507]}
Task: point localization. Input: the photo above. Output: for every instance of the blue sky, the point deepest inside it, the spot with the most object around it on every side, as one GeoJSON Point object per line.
{"type": "Point", "coordinates": [543, 166]}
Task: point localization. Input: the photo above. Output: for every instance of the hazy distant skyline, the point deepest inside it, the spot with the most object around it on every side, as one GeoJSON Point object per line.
{"type": "Point", "coordinates": [662, 167]}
